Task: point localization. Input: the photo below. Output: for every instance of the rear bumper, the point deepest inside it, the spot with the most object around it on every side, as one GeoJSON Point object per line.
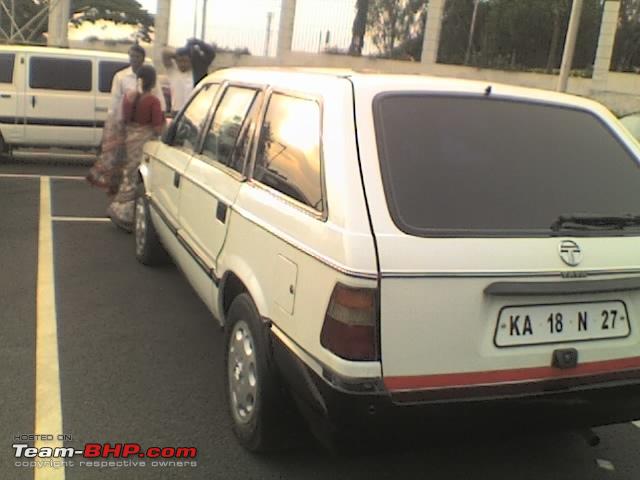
{"type": "Point", "coordinates": [343, 411]}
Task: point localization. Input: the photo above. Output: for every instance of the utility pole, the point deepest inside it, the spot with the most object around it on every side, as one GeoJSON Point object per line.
{"type": "Point", "coordinates": [472, 31]}
{"type": "Point", "coordinates": [161, 30]}
{"type": "Point", "coordinates": [570, 45]}
{"type": "Point", "coordinates": [59, 13]}
{"type": "Point", "coordinates": [204, 19]}
{"type": "Point", "coordinates": [13, 15]}
{"type": "Point", "coordinates": [195, 19]}
{"type": "Point", "coordinates": [267, 41]}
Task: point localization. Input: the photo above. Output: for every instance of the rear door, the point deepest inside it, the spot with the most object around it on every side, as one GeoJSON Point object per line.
{"type": "Point", "coordinates": [11, 125]}
{"type": "Point", "coordinates": [60, 100]}
{"type": "Point", "coordinates": [477, 287]}
{"type": "Point", "coordinates": [214, 176]}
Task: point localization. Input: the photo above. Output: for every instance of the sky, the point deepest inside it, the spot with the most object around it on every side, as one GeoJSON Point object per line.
{"type": "Point", "coordinates": [149, 5]}
{"type": "Point", "coordinates": [251, 24]}
{"type": "Point", "coordinates": [243, 23]}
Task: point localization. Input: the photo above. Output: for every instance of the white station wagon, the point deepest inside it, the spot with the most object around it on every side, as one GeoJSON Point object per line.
{"type": "Point", "coordinates": [404, 251]}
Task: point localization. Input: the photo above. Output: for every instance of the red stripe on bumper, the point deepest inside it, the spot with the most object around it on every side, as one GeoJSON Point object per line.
{"type": "Point", "coordinates": [496, 377]}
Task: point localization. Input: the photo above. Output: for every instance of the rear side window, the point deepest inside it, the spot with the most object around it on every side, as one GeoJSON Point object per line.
{"type": "Point", "coordinates": [457, 166]}
{"type": "Point", "coordinates": [106, 71]}
{"type": "Point", "coordinates": [288, 154]}
{"type": "Point", "coordinates": [53, 73]}
{"type": "Point", "coordinates": [7, 61]}
{"type": "Point", "coordinates": [222, 142]}
{"type": "Point", "coordinates": [192, 121]}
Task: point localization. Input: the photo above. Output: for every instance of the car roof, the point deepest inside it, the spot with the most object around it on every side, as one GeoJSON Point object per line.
{"type": "Point", "coordinates": [64, 51]}
{"type": "Point", "coordinates": [312, 79]}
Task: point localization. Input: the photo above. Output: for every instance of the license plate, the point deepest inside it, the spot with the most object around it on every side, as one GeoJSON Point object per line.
{"type": "Point", "coordinates": [562, 322]}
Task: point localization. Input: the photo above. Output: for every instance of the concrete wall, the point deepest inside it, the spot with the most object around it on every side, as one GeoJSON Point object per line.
{"type": "Point", "coordinates": [622, 94]}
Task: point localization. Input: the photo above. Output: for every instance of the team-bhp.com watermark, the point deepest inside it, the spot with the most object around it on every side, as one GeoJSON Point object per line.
{"type": "Point", "coordinates": [98, 455]}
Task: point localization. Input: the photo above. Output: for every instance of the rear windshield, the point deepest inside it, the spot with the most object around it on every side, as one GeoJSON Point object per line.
{"type": "Point", "coordinates": [471, 166]}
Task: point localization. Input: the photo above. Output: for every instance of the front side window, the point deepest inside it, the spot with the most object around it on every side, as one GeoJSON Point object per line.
{"type": "Point", "coordinates": [227, 139]}
{"type": "Point", "coordinates": [106, 71]}
{"type": "Point", "coordinates": [288, 154]}
{"type": "Point", "coordinates": [52, 73]}
{"type": "Point", "coordinates": [469, 166]}
{"type": "Point", "coordinates": [7, 61]}
{"type": "Point", "coordinates": [192, 121]}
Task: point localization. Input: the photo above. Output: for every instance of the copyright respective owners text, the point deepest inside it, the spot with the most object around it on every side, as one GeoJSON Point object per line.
{"type": "Point", "coordinates": [56, 451]}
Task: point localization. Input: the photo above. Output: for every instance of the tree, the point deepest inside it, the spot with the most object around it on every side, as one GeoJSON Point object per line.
{"type": "Point", "coordinates": [118, 11]}
{"type": "Point", "coordinates": [359, 27]}
{"type": "Point", "coordinates": [31, 17]}
{"type": "Point", "coordinates": [626, 53]}
{"type": "Point", "coordinates": [518, 34]}
{"type": "Point", "coordinates": [391, 22]}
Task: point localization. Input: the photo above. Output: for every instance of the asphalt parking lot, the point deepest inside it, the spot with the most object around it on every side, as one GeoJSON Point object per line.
{"type": "Point", "coordinates": [139, 359]}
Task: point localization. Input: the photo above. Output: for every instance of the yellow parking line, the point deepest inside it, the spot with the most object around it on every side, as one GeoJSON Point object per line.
{"type": "Point", "coordinates": [48, 419]}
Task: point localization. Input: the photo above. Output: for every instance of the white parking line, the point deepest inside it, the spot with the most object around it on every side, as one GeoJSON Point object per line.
{"type": "Point", "coordinates": [636, 423]}
{"type": "Point", "coordinates": [30, 176]}
{"type": "Point", "coordinates": [81, 219]}
{"type": "Point", "coordinates": [605, 464]}
{"type": "Point", "coordinates": [48, 401]}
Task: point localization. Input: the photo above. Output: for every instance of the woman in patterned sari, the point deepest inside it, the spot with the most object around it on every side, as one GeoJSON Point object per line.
{"type": "Point", "coordinates": [144, 120]}
{"type": "Point", "coordinates": [106, 173]}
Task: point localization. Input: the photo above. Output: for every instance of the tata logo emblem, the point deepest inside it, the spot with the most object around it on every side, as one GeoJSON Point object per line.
{"type": "Point", "coordinates": [570, 253]}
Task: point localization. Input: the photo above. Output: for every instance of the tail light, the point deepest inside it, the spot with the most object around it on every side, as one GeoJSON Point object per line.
{"type": "Point", "coordinates": [350, 328]}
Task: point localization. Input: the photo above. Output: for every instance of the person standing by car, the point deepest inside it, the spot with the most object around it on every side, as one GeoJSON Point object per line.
{"type": "Point", "coordinates": [106, 173]}
{"type": "Point", "coordinates": [202, 55]}
{"type": "Point", "coordinates": [180, 75]}
{"type": "Point", "coordinates": [143, 118]}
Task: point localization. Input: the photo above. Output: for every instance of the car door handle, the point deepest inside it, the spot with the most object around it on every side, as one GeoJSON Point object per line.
{"type": "Point", "coordinates": [221, 212]}
{"type": "Point", "coordinates": [5, 95]}
{"type": "Point", "coordinates": [176, 179]}
{"type": "Point", "coordinates": [102, 109]}
{"type": "Point", "coordinates": [33, 101]}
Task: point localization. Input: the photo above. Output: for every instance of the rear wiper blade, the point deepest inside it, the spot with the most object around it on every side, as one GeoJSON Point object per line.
{"type": "Point", "coordinates": [583, 221]}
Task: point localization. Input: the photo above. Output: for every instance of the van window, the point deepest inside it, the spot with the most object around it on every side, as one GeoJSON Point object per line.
{"type": "Point", "coordinates": [6, 67]}
{"type": "Point", "coordinates": [52, 73]}
{"type": "Point", "coordinates": [221, 143]}
{"type": "Point", "coordinates": [469, 166]}
{"type": "Point", "coordinates": [288, 155]}
{"type": "Point", "coordinates": [106, 71]}
{"type": "Point", "coordinates": [192, 121]}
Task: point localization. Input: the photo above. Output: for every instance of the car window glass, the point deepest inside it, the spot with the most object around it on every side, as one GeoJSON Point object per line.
{"type": "Point", "coordinates": [106, 71]}
{"type": "Point", "coordinates": [288, 155]}
{"type": "Point", "coordinates": [483, 166]}
{"type": "Point", "coordinates": [60, 74]}
{"type": "Point", "coordinates": [6, 67]}
{"type": "Point", "coordinates": [222, 142]}
{"type": "Point", "coordinates": [192, 121]}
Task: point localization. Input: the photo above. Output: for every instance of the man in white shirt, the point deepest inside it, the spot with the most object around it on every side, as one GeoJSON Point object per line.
{"type": "Point", "coordinates": [180, 74]}
{"type": "Point", "coordinates": [126, 80]}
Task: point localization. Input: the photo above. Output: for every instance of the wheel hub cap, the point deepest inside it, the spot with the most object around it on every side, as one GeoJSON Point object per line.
{"type": "Point", "coordinates": [243, 380]}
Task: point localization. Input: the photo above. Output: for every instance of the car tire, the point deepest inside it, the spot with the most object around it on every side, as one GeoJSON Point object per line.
{"type": "Point", "coordinates": [149, 250]}
{"type": "Point", "coordinates": [252, 381]}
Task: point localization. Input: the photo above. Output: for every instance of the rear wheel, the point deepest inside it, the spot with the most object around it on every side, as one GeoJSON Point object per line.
{"type": "Point", "coordinates": [5, 150]}
{"type": "Point", "coordinates": [253, 388]}
{"type": "Point", "coordinates": [149, 250]}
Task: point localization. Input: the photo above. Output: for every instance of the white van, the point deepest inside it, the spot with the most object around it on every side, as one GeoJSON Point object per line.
{"type": "Point", "coordinates": [54, 96]}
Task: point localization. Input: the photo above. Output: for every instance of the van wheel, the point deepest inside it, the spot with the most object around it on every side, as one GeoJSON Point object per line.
{"type": "Point", "coordinates": [149, 250]}
{"type": "Point", "coordinates": [5, 150]}
{"type": "Point", "coordinates": [252, 382]}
